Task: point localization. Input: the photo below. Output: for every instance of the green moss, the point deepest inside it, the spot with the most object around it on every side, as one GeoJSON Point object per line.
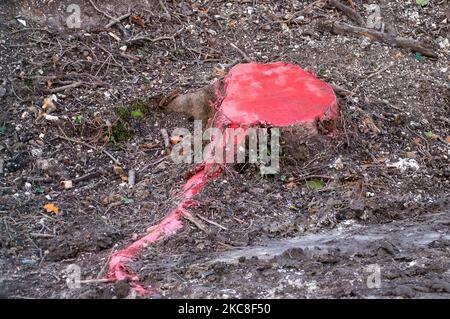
{"type": "Point", "coordinates": [123, 113]}
{"type": "Point", "coordinates": [140, 106]}
{"type": "Point", "coordinates": [138, 109]}
{"type": "Point", "coordinates": [28, 83]}
{"type": "Point", "coordinates": [137, 114]}
{"type": "Point", "coordinates": [119, 132]}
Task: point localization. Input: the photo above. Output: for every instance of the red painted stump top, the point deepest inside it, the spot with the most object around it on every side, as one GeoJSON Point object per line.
{"type": "Point", "coordinates": [277, 94]}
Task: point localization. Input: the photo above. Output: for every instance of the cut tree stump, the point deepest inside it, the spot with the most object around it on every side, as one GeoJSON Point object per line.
{"type": "Point", "coordinates": [271, 95]}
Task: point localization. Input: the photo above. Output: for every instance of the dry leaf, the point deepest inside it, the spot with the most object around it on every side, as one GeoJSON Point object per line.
{"type": "Point", "coordinates": [148, 146]}
{"type": "Point", "coordinates": [124, 178]}
{"type": "Point", "coordinates": [48, 106]}
{"type": "Point", "coordinates": [232, 23]}
{"type": "Point", "coordinates": [448, 139]}
{"type": "Point", "coordinates": [411, 154]}
{"type": "Point", "coordinates": [118, 170]}
{"type": "Point", "coordinates": [220, 73]}
{"type": "Point", "coordinates": [176, 139]}
{"type": "Point", "coordinates": [51, 208]}
{"type": "Point", "coordinates": [138, 20]}
{"type": "Point", "coordinates": [369, 125]}
{"type": "Point", "coordinates": [417, 141]}
{"type": "Point", "coordinates": [49, 83]}
{"type": "Point", "coordinates": [291, 185]}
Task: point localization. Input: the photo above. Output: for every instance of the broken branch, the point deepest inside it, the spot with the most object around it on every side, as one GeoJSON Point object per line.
{"type": "Point", "coordinates": [405, 43]}
{"type": "Point", "coordinates": [119, 19]}
{"type": "Point", "coordinates": [349, 12]}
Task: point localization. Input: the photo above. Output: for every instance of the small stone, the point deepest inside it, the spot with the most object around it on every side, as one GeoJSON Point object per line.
{"type": "Point", "coordinates": [67, 184]}
{"type": "Point", "coordinates": [122, 289]}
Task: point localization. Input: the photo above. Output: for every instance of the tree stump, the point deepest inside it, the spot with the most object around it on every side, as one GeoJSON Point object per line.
{"type": "Point", "coordinates": [271, 95]}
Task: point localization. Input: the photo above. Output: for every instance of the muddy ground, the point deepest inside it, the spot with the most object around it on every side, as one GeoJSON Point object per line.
{"type": "Point", "coordinates": [372, 197]}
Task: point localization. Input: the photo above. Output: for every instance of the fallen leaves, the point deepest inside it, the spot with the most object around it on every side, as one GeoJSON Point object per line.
{"type": "Point", "coordinates": [48, 106]}
{"type": "Point", "coordinates": [138, 20]}
{"type": "Point", "coordinates": [51, 208]}
{"type": "Point", "coordinates": [369, 125]}
{"type": "Point", "coordinates": [291, 185]}
{"type": "Point", "coordinates": [121, 173]}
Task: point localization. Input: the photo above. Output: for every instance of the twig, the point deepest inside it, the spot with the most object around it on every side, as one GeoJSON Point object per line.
{"type": "Point", "coordinates": [349, 12]}
{"type": "Point", "coordinates": [64, 137]}
{"type": "Point", "coordinates": [119, 19]}
{"type": "Point", "coordinates": [314, 176]}
{"type": "Point", "coordinates": [93, 281]}
{"type": "Point", "coordinates": [167, 13]}
{"type": "Point", "coordinates": [244, 55]}
{"type": "Point", "coordinates": [196, 222]}
{"type": "Point", "coordinates": [115, 160]}
{"type": "Point", "coordinates": [66, 87]}
{"type": "Point", "coordinates": [86, 176]}
{"type": "Point", "coordinates": [102, 270]}
{"type": "Point", "coordinates": [39, 235]}
{"type": "Point", "coordinates": [166, 139]}
{"type": "Point", "coordinates": [75, 85]}
{"type": "Point", "coordinates": [212, 222]}
{"type": "Point", "coordinates": [146, 38]}
{"type": "Point", "coordinates": [406, 43]}
{"type": "Point", "coordinates": [339, 90]}
{"type": "Point", "coordinates": [103, 12]}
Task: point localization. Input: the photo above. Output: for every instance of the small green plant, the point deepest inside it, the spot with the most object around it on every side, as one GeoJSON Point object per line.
{"type": "Point", "coordinates": [315, 184]}
{"type": "Point", "coordinates": [422, 3]}
{"type": "Point", "coordinates": [28, 83]}
{"type": "Point", "coordinates": [419, 57]}
{"type": "Point", "coordinates": [141, 106]}
{"type": "Point", "coordinates": [2, 129]}
{"type": "Point", "coordinates": [119, 132]}
{"type": "Point", "coordinates": [78, 119]}
{"type": "Point", "coordinates": [137, 114]}
{"type": "Point", "coordinates": [39, 190]}
{"type": "Point", "coordinates": [127, 200]}
{"type": "Point", "coordinates": [145, 78]}
{"type": "Point", "coordinates": [179, 51]}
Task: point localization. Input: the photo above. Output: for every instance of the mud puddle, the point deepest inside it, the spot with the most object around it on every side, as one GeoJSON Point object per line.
{"type": "Point", "coordinates": [351, 238]}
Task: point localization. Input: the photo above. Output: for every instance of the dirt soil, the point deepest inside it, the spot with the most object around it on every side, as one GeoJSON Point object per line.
{"type": "Point", "coordinates": [376, 194]}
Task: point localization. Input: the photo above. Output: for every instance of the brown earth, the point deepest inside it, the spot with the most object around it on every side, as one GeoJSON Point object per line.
{"type": "Point", "coordinates": [286, 236]}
